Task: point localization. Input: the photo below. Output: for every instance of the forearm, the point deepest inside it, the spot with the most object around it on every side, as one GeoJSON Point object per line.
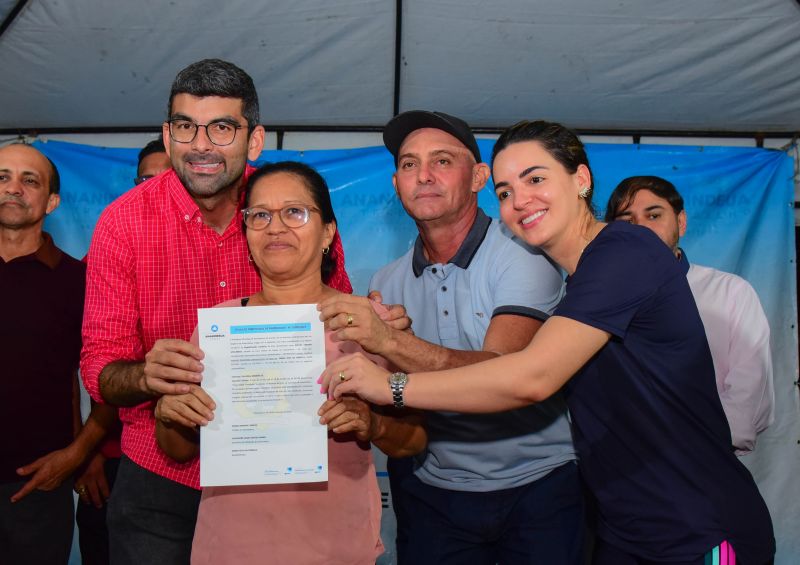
{"type": "Point", "coordinates": [496, 385]}
{"type": "Point", "coordinates": [409, 354]}
{"type": "Point", "coordinates": [93, 431]}
{"type": "Point", "coordinates": [177, 441]}
{"type": "Point", "coordinates": [748, 405]}
{"type": "Point", "coordinates": [76, 406]}
{"type": "Point", "coordinates": [122, 384]}
{"type": "Point", "coordinates": [397, 434]}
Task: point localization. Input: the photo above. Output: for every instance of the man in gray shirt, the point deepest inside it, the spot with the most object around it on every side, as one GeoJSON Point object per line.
{"type": "Point", "coordinates": [495, 488]}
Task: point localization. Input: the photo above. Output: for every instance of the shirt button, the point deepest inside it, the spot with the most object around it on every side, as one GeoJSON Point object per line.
{"type": "Point", "coordinates": [433, 270]}
{"type": "Point", "coordinates": [444, 289]}
{"type": "Point", "coordinates": [446, 313]}
{"type": "Point", "coordinates": [186, 217]}
{"type": "Point", "coordinates": [222, 284]}
{"type": "Point", "coordinates": [220, 244]}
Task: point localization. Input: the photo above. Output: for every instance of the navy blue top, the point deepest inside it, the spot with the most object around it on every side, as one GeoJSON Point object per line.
{"type": "Point", "coordinates": [653, 442]}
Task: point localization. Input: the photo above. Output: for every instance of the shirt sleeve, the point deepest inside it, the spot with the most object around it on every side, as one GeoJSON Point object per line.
{"type": "Point", "coordinates": [616, 278]}
{"type": "Point", "coordinates": [747, 391]}
{"type": "Point", "coordinates": [525, 282]}
{"type": "Point", "coordinates": [111, 317]}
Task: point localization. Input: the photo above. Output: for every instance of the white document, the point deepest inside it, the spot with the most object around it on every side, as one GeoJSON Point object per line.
{"type": "Point", "coordinates": [261, 368]}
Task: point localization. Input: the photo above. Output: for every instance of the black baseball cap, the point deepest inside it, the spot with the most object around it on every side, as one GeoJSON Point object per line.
{"type": "Point", "coordinates": [403, 124]}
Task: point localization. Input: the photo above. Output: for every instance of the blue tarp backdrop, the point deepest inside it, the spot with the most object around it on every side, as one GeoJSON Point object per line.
{"type": "Point", "coordinates": [739, 203]}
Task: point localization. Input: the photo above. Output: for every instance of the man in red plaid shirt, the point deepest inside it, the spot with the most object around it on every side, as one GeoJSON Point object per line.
{"type": "Point", "coordinates": [164, 249]}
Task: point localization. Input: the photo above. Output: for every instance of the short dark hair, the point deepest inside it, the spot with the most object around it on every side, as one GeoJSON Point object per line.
{"type": "Point", "coordinates": [560, 142]}
{"type": "Point", "coordinates": [155, 146]}
{"type": "Point", "coordinates": [627, 189]}
{"type": "Point", "coordinates": [55, 178]}
{"type": "Point", "coordinates": [316, 185]}
{"type": "Point", "coordinates": [214, 77]}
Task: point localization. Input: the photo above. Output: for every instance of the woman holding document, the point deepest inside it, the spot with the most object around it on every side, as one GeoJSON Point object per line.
{"type": "Point", "coordinates": [291, 233]}
{"type": "Point", "coordinates": [628, 346]}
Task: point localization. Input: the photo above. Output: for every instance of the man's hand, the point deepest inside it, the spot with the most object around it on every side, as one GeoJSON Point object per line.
{"type": "Point", "coordinates": [49, 471]}
{"type": "Point", "coordinates": [189, 410]}
{"type": "Point", "coordinates": [348, 414]}
{"type": "Point", "coordinates": [92, 485]}
{"type": "Point", "coordinates": [171, 366]}
{"type": "Point", "coordinates": [352, 318]}
{"type": "Point", "coordinates": [396, 315]}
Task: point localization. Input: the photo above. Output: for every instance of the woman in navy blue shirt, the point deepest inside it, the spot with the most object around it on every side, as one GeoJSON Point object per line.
{"type": "Point", "coordinates": [628, 343]}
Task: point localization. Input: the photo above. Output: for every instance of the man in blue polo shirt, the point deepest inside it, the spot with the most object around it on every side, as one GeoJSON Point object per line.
{"type": "Point", "coordinates": [496, 488]}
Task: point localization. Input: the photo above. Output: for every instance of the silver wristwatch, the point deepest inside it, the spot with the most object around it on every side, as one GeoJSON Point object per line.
{"type": "Point", "coordinates": [397, 382]}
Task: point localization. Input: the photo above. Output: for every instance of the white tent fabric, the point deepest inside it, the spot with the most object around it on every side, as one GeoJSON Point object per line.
{"type": "Point", "coordinates": [717, 65]}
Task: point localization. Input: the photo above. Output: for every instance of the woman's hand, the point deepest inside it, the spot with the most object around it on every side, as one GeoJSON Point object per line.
{"type": "Point", "coordinates": [190, 410]}
{"type": "Point", "coordinates": [356, 374]}
{"type": "Point", "coordinates": [348, 414]}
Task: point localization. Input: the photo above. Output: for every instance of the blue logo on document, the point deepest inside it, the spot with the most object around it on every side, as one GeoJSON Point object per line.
{"type": "Point", "coordinates": [214, 328]}
{"type": "Point", "coordinates": [288, 470]}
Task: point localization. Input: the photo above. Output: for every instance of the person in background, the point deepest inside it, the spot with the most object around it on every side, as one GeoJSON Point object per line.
{"type": "Point", "coordinates": [153, 160]}
{"type": "Point", "coordinates": [628, 347]}
{"type": "Point", "coordinates": [491, 488]}
{"type": "Point", "coordinates": [41, 298]}
{"type": "Point", "coordinates": [736, 326]}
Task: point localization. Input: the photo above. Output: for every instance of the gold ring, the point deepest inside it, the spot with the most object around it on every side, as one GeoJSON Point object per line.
{"type": "Point", "coordinates": [341, 376]}
{"type": "Point", "coordinates": [349, 319]}
{"type": "Point", "coordinates": [81, 490]}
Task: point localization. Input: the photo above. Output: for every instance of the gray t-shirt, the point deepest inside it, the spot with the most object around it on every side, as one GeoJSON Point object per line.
{"type": "Point", "coordinates": [452, 305]}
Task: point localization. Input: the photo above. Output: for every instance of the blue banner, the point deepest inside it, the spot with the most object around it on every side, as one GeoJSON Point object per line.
{"type": "Point", "coordinates": [739, 204]}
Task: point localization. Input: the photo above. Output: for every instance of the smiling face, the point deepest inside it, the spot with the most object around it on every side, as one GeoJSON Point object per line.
{"type": "Point", "coordinates": [25, 196]}
{"type": "Point", "coordinates": [437, 177]}
{"type": "Point", "coordinates": [648, 210]}
{"type": "Point", "coordinates": [538, 197]}
{"type": "Point", "coordinates": [206, 169]}
{"type": "Point", "coordinates": [281, 253]}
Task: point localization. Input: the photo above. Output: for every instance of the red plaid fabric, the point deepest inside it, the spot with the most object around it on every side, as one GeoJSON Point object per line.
{"type": "Point", "coordinates": [152, 263]}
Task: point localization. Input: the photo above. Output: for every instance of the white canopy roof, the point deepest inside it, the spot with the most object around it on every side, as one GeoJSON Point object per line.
{"type": "Point", "coordinates": [617, 65]}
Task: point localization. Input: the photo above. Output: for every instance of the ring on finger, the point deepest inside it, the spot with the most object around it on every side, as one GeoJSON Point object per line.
{"type": "Point", "coordinates": [342, 378]}
{"type": "Point", "coordinates": [349, 319]}
{"type": "Point", "coordinates": [81, 490]}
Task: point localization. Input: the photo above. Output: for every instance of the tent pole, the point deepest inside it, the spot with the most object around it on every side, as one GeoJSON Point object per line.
{"type": "Point", "coordinates": [12, 15]}
{"type": "Point", "coordinates": [398, 55]}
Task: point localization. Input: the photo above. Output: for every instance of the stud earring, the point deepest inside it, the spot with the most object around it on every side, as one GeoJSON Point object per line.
{"type": "Point", "coordinates": [325, 250]}
{"type": "Point", "coordinates": [584, 192]}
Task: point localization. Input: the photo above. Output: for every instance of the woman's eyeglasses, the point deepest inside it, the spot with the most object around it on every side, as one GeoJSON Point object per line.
{"type": "Point", "coordinates": [292, 216]}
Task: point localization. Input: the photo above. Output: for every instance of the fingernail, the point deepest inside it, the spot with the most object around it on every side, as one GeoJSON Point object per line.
{"type": "Point", "coordinates": [319, 380]}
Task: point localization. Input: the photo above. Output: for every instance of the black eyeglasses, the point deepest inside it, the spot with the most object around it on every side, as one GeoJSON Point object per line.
{"type": "Point", "coordinates": [292, 216]}
{"type": "Point", "coordinates": [220, 132]}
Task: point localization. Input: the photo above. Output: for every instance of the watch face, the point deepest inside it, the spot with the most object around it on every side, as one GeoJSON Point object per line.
{"type": "Point", "coordinates": [398, 378]}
